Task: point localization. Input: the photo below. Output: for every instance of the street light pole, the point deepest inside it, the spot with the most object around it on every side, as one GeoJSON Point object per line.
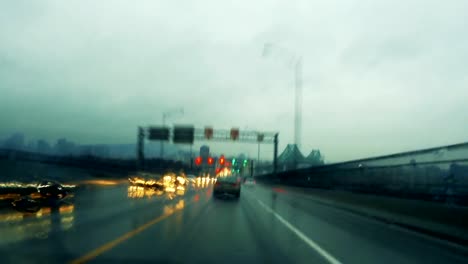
{"type": "Point", "coordinates": [298, 92]}
{"type": "Point", "coordinates": [298, 103]}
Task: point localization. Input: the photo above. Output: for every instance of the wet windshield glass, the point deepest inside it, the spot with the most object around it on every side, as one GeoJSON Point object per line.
{"type": "Point", "coordinates": [247, 131]}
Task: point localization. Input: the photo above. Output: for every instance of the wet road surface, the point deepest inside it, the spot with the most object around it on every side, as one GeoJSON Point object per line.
{"type": "Point", "coordinates": [127, 224]}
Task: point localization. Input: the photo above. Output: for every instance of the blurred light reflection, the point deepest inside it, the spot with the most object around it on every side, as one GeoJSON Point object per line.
{"type": "Point", "coordinates": [141, 192]}
{"type": "Point", "coordinates": [180, 205]}
{"type": "Point", "coordinates": [17, 226]}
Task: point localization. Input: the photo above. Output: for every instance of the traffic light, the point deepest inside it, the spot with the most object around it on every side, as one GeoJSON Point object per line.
{"type": "Point", "coordinates": [245, 163]}
{"type": "Point", "coordinates": [233, 161]}
{"type": "Point", "coordinates": [221, 160]}
{"type": "Point", "coordinates": [198, 161]}
{"type": "Point", "coordinates": [210, 161]}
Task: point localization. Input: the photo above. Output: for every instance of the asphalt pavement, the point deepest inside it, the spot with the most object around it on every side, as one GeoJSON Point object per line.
{"type": "Point", "coordinates": [128, 224]}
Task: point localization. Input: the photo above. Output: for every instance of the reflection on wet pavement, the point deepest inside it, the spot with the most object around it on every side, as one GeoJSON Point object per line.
{"type": "Point", "coordinates": [171, 208]}
{"type": "Point", "coordinates": [17, 226]}
{"type": "Point", "coordinates": [141, 192]}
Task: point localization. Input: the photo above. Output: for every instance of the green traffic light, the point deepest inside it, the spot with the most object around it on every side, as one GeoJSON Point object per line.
{"type": "Point", "coordinates": [233, 161]}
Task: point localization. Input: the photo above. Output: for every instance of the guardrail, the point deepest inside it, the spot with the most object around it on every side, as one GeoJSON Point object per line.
{"type": "Point", "coordinates": [436, 174]}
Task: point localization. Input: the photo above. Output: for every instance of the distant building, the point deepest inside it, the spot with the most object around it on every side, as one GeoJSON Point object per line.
{"type": "Point", "coordinates": [204, 152]}
{"type": "Point", "coordinates": [95, 150]}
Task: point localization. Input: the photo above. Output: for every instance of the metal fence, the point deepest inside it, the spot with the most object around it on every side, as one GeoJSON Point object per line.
{"type": "Point", "coordinates": [436, 174]}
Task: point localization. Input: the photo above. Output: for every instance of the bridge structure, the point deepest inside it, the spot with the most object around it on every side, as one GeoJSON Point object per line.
{"type": "Point", "coordinates": [437, 174]}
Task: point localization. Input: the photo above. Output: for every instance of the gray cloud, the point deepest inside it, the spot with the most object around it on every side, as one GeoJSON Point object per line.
{"type": "Point", "coordinates": [378, 77]}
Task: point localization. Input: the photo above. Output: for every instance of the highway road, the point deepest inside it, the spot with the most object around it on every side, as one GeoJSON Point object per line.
{"type": "Point", "coordinates": [127, 224]}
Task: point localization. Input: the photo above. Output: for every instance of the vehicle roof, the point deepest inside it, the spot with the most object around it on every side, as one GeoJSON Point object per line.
{"type": "Point", "coordinates": [228, 179]}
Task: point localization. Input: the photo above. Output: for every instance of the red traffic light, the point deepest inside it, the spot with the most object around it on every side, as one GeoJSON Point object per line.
{"type": "Point", "coordinates": [221, 160]}
{"type": "Point", "coordinates": [198, 161]}
{"type": "Point", "coordinates": [210, 161]}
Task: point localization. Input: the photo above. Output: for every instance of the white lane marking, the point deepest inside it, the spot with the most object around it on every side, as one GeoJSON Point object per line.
{"type": "Point", "coordinates": [301, 235]}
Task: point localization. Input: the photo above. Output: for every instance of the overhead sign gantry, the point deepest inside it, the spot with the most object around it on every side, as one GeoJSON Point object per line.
{"type": "Point", "coordinates": [187, 134]}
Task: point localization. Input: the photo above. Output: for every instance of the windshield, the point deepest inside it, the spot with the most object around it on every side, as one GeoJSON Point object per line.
{"type": "Point", "coordinates": [286, 131]}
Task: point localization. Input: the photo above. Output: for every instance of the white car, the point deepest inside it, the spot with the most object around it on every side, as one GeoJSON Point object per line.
{"type": "Point", "coordinates": [249, 182]}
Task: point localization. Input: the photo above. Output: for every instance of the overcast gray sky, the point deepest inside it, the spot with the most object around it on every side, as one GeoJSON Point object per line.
{"type": "Point", "coordinates": [379, 76]}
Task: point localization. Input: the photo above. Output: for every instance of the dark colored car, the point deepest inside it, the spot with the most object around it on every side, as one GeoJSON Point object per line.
{"type": "Point", "coordinates": [227, 186]}
{"type": "Point", "coordinates": [26, 204]}
{"type": "Point", "coordinates": [51, 190]}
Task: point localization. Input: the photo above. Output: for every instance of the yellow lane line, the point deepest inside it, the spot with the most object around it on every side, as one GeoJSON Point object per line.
{"type": "Point", "coordinates": [109, 245]}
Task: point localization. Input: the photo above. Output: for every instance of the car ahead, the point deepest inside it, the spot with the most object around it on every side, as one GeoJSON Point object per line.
{"type": "Point", "coordinates": [249, 182]}
{"type": "Point", "coordinates": [230, 185]}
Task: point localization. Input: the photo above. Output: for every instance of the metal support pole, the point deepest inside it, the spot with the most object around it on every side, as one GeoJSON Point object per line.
{"type": "Point", "coordinates": [140, 148]}
{"type": "Point", "coordinates": [191, 159]}
{"type": "Point", "coordinates": [275, 155]}
{"type": "Point", "coordinates": [258, 153]}
{"type": "Point", "coordinates": [251, 168]}
{"type": "Point", "coordinates": [257, 168]}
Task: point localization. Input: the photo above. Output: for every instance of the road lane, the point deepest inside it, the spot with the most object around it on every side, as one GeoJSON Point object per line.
{"type": "Point", "coordinates": [214, 231]}
{"type": "Point", "coordinates": [355, 238]}
{"type": "Point", "coordinates": [128, 224]}
{"type": "Point", "coordinates": [99, 215]}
